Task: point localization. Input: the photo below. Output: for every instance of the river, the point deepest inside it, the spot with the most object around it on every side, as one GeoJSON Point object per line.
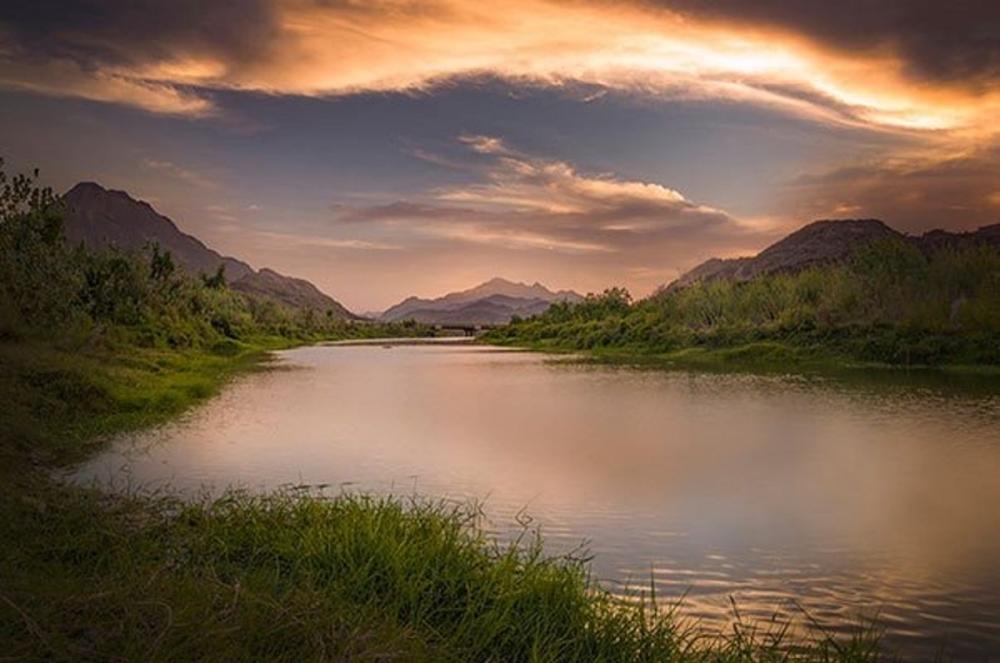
{"type": "Point", "coordinates": [840, 498]}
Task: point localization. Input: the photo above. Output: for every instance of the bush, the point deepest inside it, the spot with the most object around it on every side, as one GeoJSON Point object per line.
{"type": "Point", "coordinates": [48, 288]}
{"type": "Point", "coordinates": [889, 303]}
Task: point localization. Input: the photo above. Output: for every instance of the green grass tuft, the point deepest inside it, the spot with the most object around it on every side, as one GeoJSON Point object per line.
{"type": "Point", "coordinates": [297, 577]}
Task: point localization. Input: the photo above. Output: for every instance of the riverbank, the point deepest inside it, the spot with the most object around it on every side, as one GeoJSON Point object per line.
{"type": "Point", "coordinates": [279, 577]}
{"type": "Point", "coordinates": [888, 305]}
{"type": "Point", "coordinates": [767, 357]}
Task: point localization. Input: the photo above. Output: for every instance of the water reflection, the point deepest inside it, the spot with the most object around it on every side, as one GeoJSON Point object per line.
{"type": "Point", "coordinates": [852, 497]}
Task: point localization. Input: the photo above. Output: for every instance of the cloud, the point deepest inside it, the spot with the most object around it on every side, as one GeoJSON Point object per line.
{"type": "Point", "coordinates": [186, 175]}
{"type": "Point", "coordinates": [290, 241]}
{"type": "Point", "coordinates": [169, 56]}
{"type": "Point", "coordinates": [138, 53]}
{"type": "Point", "coordinates": [65, 78]}
{"type": "Point", "coordinates": [915, 192]}
{"type": "Point", "coordinates": [954, 43]}
{"type": "Point", "coordinates": [523, 202]}
{"type": "Point", "coordinates": [222, 213]}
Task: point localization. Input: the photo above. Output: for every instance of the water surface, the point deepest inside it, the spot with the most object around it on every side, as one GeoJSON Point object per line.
{"type": "Point", "coordinates": [843, 498]}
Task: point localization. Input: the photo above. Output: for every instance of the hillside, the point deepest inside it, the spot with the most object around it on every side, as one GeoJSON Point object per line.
{"type": "Point", "coordinates": [834, 291]}
{"type": "Point", "coordinates": [98, 218]}
{"type": "Point", "coordinates": [825, 242]}
{"type": "Point", "coordinates": [496, 301]}
{"type": "Point", "coordinates": [298, 293]}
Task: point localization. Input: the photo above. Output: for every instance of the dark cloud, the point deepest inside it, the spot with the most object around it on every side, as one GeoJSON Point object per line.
{"type": "Point", "coordinates": [957, 41]}
{"type": "Point", "coordinates": [915, 195]}
{"type": "Point", "coordinates": [135, 32]}
{"type": "Point", "coordinates": [174, 56]}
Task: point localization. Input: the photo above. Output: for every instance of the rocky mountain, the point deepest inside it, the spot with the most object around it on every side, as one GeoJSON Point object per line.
{"type": "Point", "coordinates": [298, 293]}
{"type": "Point", "coordinates": [98, 217]}
{"type": "Point", "coordinates": [820, 242]}
{"type": "Point", "coordinates": [494, 302]}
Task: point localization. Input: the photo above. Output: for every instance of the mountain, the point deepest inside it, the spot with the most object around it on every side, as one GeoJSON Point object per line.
{"type": "Point", "coordinates": [494, 302]}
{"type": "Point", "coordinates": [97, 218]}
{"type": "Point", "coordinates": [821, 242]}
{"type": "Point", "coordinates": [294, 292]}
{"type": "Point", "coordinates": [492, 310]}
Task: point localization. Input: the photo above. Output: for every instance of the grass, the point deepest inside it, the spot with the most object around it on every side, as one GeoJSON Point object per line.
{"type": "Point", "coordinates": [890, 305]}
{"type": "Point", "coordinates": [61, 403]}
{"type": "Point", "coordinates": [284, 576]}
{"type": "Point", "coordinates": [755, 356]}
{"type": "Point", "coordinates": [758, 348]}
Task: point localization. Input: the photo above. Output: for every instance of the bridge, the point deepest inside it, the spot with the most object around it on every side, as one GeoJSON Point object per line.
{"type": "Point", "coordinates": [465, 329]}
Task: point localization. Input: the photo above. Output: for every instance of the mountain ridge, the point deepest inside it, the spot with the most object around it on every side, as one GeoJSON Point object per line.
{"type": "Point", "coordinates": [98, 218]}
{"type": "Point", "coordinates": [820, 242]}
{"type": "Point", "coordinates": [494, 301]}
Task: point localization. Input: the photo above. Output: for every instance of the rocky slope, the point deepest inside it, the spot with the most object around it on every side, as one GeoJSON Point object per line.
{"type": "Point", "coordinates": [97, 218]}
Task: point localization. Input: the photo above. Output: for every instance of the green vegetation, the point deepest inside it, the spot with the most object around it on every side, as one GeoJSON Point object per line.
{"type": "Point", "coordinates": [96, 343]}
{"type": "Point", "coordinates": [891, 304]}
{"type": "Point", "coordinates": [84, 299]}
{"type": "Point", "coordinates": [287, 577]}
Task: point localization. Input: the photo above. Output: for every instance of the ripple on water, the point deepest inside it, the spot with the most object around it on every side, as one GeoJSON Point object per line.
{"type": "Point", "coordinates": [836, 498]}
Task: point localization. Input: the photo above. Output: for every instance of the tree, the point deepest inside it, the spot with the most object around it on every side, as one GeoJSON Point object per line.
{"type": "Point", "coordinates": [217, 281]}
{"type": "Point", "coordinates": [161, 264]}
{"type": "Point", "coordinates": [38, 283]}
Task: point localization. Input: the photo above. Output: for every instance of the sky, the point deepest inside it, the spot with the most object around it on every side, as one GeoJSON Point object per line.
{"type": "Point", "coordinates": [388, 148]}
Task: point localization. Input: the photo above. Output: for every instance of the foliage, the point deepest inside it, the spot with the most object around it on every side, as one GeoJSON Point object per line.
{"type": "Point", "coordinates": [891, 303]}
{"type": "Point", "coordinates": [51, 290]}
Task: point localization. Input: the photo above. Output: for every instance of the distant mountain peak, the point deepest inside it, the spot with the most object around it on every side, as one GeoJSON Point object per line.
{"type": "Point", "coordinates": [491, 302]}
{"type": "Point", "coordinates": [501, 285]}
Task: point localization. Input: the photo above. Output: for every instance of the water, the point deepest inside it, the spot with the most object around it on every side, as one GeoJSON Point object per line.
{"type": "Point", "coordinates": [845, 499]}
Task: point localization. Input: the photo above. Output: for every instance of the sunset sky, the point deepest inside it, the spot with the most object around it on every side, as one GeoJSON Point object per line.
{"type": "Point", "coordinates": [383, 149]}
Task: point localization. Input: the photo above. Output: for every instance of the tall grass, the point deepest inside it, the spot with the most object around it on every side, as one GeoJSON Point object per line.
{"type": "Point", "coordinates": [291, 577]}
{"type": "Point", "coordinates": [891, 303]}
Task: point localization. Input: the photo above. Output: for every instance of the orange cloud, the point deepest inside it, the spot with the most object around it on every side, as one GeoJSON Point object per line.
{"type": "Point", "coordinates": [65, 78]}
{"type": "Point", "coordinates": [343, 48]}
